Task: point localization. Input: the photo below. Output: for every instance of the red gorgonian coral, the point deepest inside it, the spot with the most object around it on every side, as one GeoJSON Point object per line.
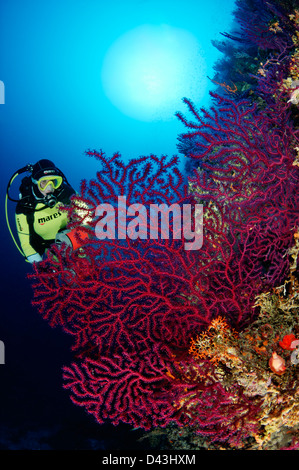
{"type": "Point", "coordinates": [130, 305]}
{"type": "Point", "coordinates": [247, 182]}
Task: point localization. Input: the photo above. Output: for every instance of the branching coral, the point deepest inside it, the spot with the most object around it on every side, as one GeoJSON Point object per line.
{"type": "Point", "coordinates": [244, 177]}
{"type": "Point", "coordinates": [222, 414]}
{"type": "Point", "coordinates": [217, 343]}
{"type": "Point", "coordinates": [247, 182]}
{"type": "Point", "coordinates": [245, 359]}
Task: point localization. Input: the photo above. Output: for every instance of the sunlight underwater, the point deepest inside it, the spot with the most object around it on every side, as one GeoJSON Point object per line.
{"type": "Point", "coordinates": [146, 69]}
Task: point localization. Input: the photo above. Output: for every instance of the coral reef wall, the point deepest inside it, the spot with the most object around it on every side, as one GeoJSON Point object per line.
{"type": "Point", "coordinates": [202, 343]}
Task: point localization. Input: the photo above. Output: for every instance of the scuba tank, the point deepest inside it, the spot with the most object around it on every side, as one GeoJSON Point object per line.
{"type": "Point", "coordinates": [27, 168]}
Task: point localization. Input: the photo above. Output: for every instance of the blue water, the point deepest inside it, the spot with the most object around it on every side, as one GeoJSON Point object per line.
{"type": "Point", "coordinates": [52, 53]}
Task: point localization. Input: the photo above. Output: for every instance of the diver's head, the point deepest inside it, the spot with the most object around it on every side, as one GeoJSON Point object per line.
{"type": "Point", "coordinates": [46, 178]}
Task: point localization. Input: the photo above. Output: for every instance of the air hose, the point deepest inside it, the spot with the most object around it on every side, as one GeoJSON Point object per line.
{"type": "Point", "coordinates": [17, 173]}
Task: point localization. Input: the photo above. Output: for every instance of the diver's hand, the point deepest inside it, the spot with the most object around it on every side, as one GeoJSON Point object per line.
{"type": "Point", "coordinates": [36, 258]}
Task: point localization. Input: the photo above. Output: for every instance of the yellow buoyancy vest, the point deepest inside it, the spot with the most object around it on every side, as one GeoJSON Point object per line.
{"type": "Point", "coordinates": [47, 223]}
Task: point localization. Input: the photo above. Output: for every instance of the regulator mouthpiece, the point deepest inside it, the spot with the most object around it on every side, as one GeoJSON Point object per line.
{"type": "Point", "coordinates": [50, 200]}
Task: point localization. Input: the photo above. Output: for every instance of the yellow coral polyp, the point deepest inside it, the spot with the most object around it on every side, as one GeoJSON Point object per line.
{"type": "Point", "coordinates": [216, 343]}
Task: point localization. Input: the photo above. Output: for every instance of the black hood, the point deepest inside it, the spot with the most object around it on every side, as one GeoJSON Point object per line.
{"type": "Point", "coordinates": [44, 168]}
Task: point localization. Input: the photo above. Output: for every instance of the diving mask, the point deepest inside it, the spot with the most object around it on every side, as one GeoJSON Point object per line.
{"type": "Point", "coordinates": [45, 181]}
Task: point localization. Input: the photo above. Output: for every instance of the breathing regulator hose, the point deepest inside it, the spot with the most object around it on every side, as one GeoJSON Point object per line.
{"type": "Point", "coordinates": [17, 173]}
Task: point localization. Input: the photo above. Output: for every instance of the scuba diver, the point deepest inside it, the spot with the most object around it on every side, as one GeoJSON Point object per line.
{"type": "Point", "coordinates": [39, 221]}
